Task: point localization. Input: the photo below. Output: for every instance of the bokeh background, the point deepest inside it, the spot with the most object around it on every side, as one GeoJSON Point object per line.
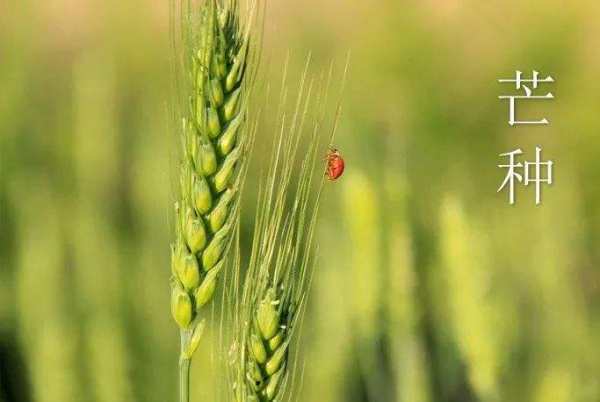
{"type": "Point", "coordinates": [429, 286]}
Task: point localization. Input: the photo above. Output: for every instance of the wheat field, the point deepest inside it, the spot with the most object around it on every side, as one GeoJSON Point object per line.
{"type": "Point", "coordinates": [426, 285]}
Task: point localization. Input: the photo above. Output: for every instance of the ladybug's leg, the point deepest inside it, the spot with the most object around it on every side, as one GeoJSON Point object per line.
{"type": "Point", "coordinates": [329, 172]}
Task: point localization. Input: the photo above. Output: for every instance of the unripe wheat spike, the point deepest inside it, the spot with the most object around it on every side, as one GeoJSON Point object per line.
{"type": "Point", "coordinates": [270, 304]}
{"type": "Point", "coordinates": [217, 55]}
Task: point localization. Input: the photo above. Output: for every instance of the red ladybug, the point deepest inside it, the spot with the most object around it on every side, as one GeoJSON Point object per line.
{"type": "Point", "coordinates": [335, 164]}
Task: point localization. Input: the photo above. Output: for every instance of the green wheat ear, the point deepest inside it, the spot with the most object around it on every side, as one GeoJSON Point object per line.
{"type": "Point", "coordinates": [217, 56]}
{"type": "Point", "coordinates": [214, 146]}
{"type": "Point", "coordinates": [276, 285]}
{"type": "Point", "coordinates": [268, 308]}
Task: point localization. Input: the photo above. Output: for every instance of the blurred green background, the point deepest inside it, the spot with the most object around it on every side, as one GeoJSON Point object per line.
{"type": "Point", "coordinates": [429, 286]}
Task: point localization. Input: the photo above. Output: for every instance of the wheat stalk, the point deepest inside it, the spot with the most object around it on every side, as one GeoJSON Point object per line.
{"type": "Point", "coordinates": [215, 141]}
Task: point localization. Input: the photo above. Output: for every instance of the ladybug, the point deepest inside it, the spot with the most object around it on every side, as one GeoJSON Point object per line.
{"type": "Point", "coordinates": [335, 164]}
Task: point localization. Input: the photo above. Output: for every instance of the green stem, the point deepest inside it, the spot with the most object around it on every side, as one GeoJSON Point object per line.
{"type": "Point", "coordinates": [184, 379]}
{"type": "Point", "coordinates": [184, 368]}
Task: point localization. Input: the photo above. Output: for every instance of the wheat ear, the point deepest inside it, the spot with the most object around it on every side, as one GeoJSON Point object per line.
{"type": "Point", "coordinates": [271, 303]}
{"type": "Point", "coordinates": [215, 144]}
